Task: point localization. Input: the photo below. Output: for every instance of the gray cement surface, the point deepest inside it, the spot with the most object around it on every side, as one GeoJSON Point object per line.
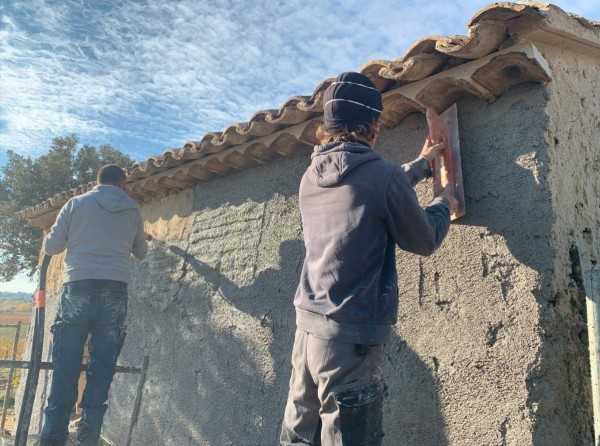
{"type": "Point", "coordinates": [489, 347]}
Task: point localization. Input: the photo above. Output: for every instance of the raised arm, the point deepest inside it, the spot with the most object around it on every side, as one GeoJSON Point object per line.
{"type": "Point", "coordinates": [413, 228]}
{"type": "Point", "coordinates": [420, 168]}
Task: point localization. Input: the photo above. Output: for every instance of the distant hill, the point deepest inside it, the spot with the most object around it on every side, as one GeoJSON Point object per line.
{"type": "Point", "coordinates": [11, 295]}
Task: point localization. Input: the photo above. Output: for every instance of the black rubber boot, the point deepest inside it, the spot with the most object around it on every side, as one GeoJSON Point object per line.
{"type": "Point", "coordinates": [50, 442]}
{"type": "Point", "coordinates": [88, 435]}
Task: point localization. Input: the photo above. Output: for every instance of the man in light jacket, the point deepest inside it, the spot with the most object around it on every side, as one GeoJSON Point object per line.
{"type": "Point", "coordinates": [100, 230]}
{"type": "Point", "coordinates": [356, 208]}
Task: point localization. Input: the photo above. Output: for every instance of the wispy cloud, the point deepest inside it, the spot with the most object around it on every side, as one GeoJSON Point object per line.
{"type": "Point", "coordinates": [146, 76]}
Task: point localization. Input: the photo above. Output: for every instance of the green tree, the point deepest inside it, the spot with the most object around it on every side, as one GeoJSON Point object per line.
{"type": "Point", "coordinates": [26, 182]}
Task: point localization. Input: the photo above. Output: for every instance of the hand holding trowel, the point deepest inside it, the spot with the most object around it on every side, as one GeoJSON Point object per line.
{"type": "Point", "coordinates": [446, 166]}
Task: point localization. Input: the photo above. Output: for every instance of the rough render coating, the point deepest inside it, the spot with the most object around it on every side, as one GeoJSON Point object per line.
{"type": "Point", "coordinates": [466, 331]}
{"type": "Point", "coordinates": [561, 383]}
{"type": "Point", "coordinates": [465, 364]}
{"type": "Point", "coordinates": [472, 357]}
{"type": "Point", "coordinates": [214, 312]}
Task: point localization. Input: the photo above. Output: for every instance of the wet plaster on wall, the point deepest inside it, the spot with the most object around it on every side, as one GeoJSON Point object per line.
{"type": "Point", "coordinates": [212, 304]}
{"type": "Point", "coordinates": [214, 311]}
{"type": "Point", "coordinates": [561, 386]}
{"type": "Point", "coordinates": [467, 334]}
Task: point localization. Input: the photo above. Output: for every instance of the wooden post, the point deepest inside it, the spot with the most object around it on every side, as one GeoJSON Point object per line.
{"type": "Point", "coordinates": [593, 317]}
{"type": "Point", "coordinates": [138, 399]}
{"type": "Point", "coordinates": [11, 373]}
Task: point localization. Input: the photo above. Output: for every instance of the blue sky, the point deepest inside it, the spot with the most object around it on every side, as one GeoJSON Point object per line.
{"type": "Point", "coordinates": [146, 76]}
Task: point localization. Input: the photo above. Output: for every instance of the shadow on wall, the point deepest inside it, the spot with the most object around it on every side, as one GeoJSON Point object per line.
{"type": "Point", "coordinates": [250, 299]}
{"type": "Point", "coordinates": [412, 413]}
{"type": "Point", "coordinates": [413, 408]}
{"type": "Point", "coordinates": [506, 182]}
{"type": "Point", "coordinates": [210, 383]}
{"type": "Point", "coordinates": [509, 197]}
{"type": "Point", "coordinates": [219, 353]}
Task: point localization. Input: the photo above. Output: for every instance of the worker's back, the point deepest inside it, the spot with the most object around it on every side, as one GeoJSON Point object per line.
{"type": "Point", "coordinates": [100, 230]}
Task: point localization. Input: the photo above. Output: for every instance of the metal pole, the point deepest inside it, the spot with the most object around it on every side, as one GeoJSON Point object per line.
{"type": "Point", "coordinates": [138, 400]}
{"type": "Point", "coordinates": [35, 360]}
{"type": "Point", "coordinates": [593, 312]}
{"type": "Point", "coordinates": [5, 363]}
{"type": "Point", "coordinates": [11, 372]}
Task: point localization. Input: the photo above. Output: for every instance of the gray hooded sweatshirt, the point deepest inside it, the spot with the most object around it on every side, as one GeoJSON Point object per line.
{"type": "Point", "coordinates": [356, 207]}
{"type": "Point", "coordinates": [100, 230]}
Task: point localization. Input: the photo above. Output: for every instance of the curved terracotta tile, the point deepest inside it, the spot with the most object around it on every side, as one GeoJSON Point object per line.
{"type": "Point", "coordinates": [505, 11]}
{"type": "Point", "coordinates": [398, 107]}
{"type": "Point", "coordinates": [508, 70]}
{"type": "Point", "coordinates": [484, 38]}
{"type": "Point", "coordinates": [424, 45]}
{"type": "Point", "coordinates": [414, 68]}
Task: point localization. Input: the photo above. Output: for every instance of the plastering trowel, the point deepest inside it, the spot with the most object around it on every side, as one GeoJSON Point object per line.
{"type": "Point", "coordinates": [447, 169]}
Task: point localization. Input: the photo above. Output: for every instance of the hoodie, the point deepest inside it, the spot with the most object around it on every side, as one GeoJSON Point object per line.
{"type": "Point", "coordinates": [356, 208]}
{"type": "Point", "coordinates": [100, 230]}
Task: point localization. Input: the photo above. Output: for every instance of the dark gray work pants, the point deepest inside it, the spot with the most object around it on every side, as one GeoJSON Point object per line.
{"type": "Point", "coordinates": [336, 394]}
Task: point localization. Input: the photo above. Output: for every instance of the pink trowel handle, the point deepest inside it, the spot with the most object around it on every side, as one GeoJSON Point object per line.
{"type": "Point", "coordinates": [446, 166]}
{"type": "Point", "coordinates": [438, 133]}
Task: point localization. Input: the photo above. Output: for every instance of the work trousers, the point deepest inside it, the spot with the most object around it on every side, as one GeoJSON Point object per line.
{"type": "Point", "coordinates": [92, 310]}
{"type": "Point", "coordinates": [336, 394]}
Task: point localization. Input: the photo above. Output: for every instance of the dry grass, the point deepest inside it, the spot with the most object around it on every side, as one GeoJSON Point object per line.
{"type": "Point", "coordinates": [7, 334]}
{"type": "Point", "coordinates": [14, 306]}
{"type": "Point", "coordinates": [7, 343]}
{"type": "Point", "coordinates": [12, 312]}
{"type": "Point", "coordinates": [7, 337]}
{"type": "Point", "coordinates": [13, 318]}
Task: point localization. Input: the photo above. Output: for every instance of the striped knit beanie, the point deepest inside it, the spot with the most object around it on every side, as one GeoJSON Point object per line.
{"type": "Point", "coordinates": [350, 101]}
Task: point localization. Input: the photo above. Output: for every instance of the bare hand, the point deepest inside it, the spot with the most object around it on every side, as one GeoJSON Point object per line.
{"type": "Point", "coordinates": [447, 194]}
{"type": "Point", "coordinates": [430, 149]}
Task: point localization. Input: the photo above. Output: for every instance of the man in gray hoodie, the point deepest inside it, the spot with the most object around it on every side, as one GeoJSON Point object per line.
{"type": "Point", "coordinates": [100, 230]}
{"type": "Point", "coordinates": [356, 208]}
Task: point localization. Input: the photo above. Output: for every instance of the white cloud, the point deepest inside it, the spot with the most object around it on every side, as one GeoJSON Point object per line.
{"type": "Point", "coordinates": [153, 75]}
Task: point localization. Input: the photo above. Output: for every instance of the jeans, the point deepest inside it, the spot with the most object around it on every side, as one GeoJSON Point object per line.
{"type": "Point", "coordinates": [92, 310]}
{"type": "Point", "coordinates": [336, 394]}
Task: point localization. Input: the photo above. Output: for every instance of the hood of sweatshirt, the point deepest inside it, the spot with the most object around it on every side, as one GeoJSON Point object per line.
{"type": "Point", "coordinates": [112, 198]}
{"type": "Point", "coordinates": [332, 162]}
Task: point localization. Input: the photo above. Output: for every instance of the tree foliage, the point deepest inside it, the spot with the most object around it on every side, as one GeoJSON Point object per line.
{"type": "Point", "coordinates": [26, 182]}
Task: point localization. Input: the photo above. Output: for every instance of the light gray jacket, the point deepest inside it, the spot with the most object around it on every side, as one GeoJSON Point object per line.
{"type": "Point", "coordinates": [100, 230]}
